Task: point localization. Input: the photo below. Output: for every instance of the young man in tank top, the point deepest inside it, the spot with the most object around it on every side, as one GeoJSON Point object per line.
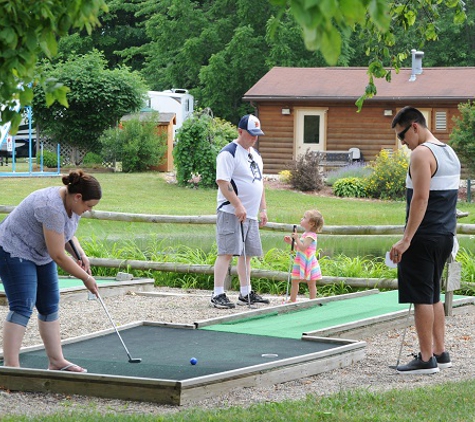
{"type": "Point", "coordinates": [432, 184]}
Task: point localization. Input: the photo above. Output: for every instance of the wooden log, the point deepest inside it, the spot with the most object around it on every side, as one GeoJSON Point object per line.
{"type": "Point", "coordinates": [255, 273]}
{"type": "Point", "coordinates": [211, 219]}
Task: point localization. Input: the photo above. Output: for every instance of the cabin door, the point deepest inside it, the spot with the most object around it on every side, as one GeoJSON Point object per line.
{"type": "Point", "coordinates": [310, 130]}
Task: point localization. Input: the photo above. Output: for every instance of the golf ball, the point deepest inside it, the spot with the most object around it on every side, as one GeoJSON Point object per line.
{"type": "Point", "coordinates": [193, 361]}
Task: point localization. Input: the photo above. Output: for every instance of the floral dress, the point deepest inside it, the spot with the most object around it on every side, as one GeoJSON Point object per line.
{"type": "Point", "coordinates": [306, 266]}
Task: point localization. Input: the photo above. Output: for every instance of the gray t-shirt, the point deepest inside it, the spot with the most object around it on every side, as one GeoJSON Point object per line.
{"type": "Point", "coordinates": [21, 233]}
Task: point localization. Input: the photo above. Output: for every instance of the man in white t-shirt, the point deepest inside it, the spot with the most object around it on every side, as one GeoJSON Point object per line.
{"type": "Point", "coordinates": [241, 210]}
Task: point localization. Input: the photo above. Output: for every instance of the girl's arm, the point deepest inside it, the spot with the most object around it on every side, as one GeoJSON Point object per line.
{"type": "Point", "coordinates": [302, 246]}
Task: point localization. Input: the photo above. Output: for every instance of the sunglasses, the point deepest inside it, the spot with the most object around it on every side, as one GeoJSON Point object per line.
{"type": "Point", "coordinates": [402, 134]}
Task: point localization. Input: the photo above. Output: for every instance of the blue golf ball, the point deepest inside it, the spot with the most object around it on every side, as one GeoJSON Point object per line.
{"type": "Point", "coordinates": [193, 361]}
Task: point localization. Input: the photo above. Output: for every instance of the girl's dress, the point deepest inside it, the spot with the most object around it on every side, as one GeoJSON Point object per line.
{"type": "Point", "coordinates": [306, 266]}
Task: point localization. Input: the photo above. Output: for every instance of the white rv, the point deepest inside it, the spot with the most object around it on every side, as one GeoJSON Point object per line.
{"type": "Point", "coordinates": [177, 101]}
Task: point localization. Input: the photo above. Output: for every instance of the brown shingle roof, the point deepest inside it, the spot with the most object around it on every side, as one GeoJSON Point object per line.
{"type": "Point", "coordinates": [345, 83]}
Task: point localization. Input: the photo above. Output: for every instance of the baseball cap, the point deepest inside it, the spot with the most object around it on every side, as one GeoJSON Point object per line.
{"type": "Point", "coordinates": [252, 124]}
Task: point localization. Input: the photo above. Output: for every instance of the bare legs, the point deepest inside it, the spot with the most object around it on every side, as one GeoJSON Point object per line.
{"type": "Point", "coordinates": [12, 339]}
{"type": "Point", "coordinates": [13, 336]}
{"type": "Point", "coordinates": [430, 328]}
{"type": "Point", "coordinates": [294, 290]}
{"type": "Point", "coordinates": [221, 269]}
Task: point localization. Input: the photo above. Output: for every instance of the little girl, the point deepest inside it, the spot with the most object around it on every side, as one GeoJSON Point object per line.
{"type": "Point", "coordinates": [306, 268]}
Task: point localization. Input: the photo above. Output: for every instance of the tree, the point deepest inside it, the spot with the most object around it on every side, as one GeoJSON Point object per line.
{"type": "Point", "coordinates": [98, 98]}
{"type": "Point", "coordinates": [29, 28]}
{"type": "Point", "coordinates": [462, 139]}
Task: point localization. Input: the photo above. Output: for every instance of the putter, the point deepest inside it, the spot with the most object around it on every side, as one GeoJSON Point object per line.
{"type": "Point", "coordinates": [131, 359]}
{"type": "Point", "coordinates": [248, 278]}
{"type": "Point", "coordinates": [402, 340]}
{"type": "Point", "coordinates": [294, 230]}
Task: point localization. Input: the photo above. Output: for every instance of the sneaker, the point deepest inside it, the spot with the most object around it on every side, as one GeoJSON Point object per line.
{"type": "Point", "coordinates": [222, 302]}
{"type": "Point", "coordinates": [251, 298]}
{"type": "Point", "coordinates": [443, 360]}
{"type": "Point", "coordinates": [418, 366]}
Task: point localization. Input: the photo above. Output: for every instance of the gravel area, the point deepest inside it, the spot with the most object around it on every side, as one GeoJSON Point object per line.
{"type": "Point", "coordinates": [372, 373]}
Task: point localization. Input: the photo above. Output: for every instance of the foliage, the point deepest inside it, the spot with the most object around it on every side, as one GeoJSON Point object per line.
{"type": "Point", "coordinates": [306, 175]}
{"type": "Point", "coordinates": [285, 175]}
{"type": "Point", "coordinates": [462, 139]}
{"type": "Point", "coordinates": [353, 170]}
{"type": "Point", "coordinates": [137, 144]}
{"type": "Point", "coordinates": [354, 187]}
{"type": "Point", "coordinates": [389, 175]}
{"type": "Point", "coordinates": [199, 141]}
{"type": "Point", "coordinates": [92, 158]}
{"type": "Point", "coordinates": [98, 98]}
{"type": "Point", "coordinates": [50, 159]}
{"type": "Point", "coordinates": [28, 29]}
{"type": "Point", "coordinates": [206, 46]}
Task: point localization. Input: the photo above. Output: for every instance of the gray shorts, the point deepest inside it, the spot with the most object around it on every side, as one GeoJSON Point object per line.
{"type": "Point", "coordinates": [229, 235]}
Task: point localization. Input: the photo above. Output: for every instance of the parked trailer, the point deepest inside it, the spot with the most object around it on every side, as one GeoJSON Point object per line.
{"type": "Point", "coordinates": [177, 101]}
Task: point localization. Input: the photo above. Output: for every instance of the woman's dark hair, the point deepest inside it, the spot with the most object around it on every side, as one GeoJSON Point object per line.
{"type": "Point", "coordinates": [79, 182]}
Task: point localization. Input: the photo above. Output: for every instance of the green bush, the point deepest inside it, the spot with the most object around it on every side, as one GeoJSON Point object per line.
{"type": "Point", "coordinates": [137, 144]}
{"type": "Point", "coordinates": [388, 180]}
{"type": "Point", "coordinates": [50, 159]}
{"type": "Point", "coordinates": [352, 187]}
{"type": "Point", "coordinates": [199, 141]}
{"type": "Point", "coordinates": [91, 158]}
{"type": "Point", "coordinates": [306, 175]}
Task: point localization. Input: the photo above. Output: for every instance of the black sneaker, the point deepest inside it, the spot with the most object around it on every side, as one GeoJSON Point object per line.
{"type": "Point", "coordinates": [443, 360]}
{"type": "Point", "coordinates": [222, 302]}
{"type": "Point", "coordinates": [251, 298]}
{"type": "Point", "coordinates": [418, 366]}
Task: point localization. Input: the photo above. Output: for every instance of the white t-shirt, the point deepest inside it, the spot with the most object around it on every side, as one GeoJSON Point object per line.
{"type": "Point", "coordinates": [244, 169]}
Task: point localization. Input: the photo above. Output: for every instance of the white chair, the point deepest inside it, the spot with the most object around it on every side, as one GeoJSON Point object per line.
{"type": "Point", "coordinates": [355, 154]}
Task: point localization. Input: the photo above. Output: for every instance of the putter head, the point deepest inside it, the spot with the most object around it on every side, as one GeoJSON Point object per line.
{"type": "Point", "coordinates": [135, 360]}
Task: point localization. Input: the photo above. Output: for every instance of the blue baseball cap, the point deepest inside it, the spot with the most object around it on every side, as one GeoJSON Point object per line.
{"type": "Point", "coordinates": [252, 124]}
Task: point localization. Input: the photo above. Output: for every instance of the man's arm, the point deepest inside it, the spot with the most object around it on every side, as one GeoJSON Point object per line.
{"type": "Point", "coordinates": [229, 193]}
{"type": "Point", "coordinates": [263, 209]}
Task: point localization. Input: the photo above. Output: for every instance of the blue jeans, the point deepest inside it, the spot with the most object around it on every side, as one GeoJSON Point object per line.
{"type": "Point", "coordinates": [28, 285]}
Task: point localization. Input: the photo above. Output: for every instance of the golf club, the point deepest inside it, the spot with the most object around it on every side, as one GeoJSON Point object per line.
{"type": "Point", "coordinates": [402, 340]}
{"type": "Point", "coordinates": [294, 230]}
{"type": "Point", "coordinates": [131, 359]}
{"type": "Point", "coordinates": [248, 279]}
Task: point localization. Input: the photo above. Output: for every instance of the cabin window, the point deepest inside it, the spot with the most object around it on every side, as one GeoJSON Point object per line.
{"type": "Point", "coordinates": [311, 129]}
{"type": "Point", "coordinates": [441, 121]}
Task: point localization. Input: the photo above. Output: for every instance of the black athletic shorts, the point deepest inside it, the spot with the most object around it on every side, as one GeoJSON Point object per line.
{"type": "Point", "coordinates": [421, 267]}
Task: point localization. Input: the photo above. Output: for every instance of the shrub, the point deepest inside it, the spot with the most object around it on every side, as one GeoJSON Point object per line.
{"type": "Point", "coordinates": [199, 141]}
{"type": "Point", "coordinates": [353, 187]}
{"type": "Point", "coordinates": [389, 175]}
{"type": "Point", "coordinates": [285, 176]}
{"type": "Point", "coordinates": [50, 159]}
{"type": "Point", "coordinates": [91, 158]}
{"type": "Point", "coordinates": [137, 144]}
{"type": "Point", "coordinates": [306, 175]}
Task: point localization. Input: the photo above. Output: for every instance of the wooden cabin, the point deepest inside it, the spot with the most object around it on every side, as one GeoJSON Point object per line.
{"type": "Point", "coordinates": [314, 108]}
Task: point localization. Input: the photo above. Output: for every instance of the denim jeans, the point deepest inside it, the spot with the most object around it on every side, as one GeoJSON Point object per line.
{"type": "Point", "coordinates": [28, 285]}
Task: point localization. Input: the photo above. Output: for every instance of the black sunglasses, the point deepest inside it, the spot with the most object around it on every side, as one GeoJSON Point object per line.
{"type": "Point", "coordinates": [402, 134]}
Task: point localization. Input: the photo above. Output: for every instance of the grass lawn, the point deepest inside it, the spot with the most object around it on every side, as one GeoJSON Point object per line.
{"type": "Point", "coordinates": [151, 193]}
